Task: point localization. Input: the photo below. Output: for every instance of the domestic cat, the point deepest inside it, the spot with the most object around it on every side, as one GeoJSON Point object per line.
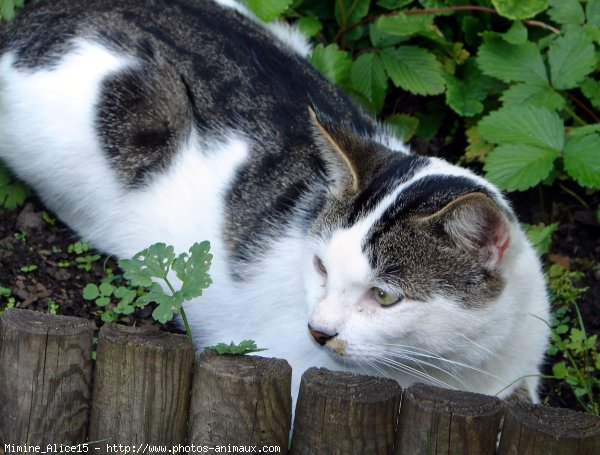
{"type": "Point", "coordinates": [187, 120]}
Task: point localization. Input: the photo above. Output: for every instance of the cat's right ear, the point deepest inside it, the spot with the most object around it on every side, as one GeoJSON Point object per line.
{"type": "Point", "coordinates": [348, 157]}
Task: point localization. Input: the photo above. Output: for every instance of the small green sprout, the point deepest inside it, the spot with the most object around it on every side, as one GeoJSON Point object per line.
{"type": "Point", "coordinates": [245, 347]}
{"type": "Point", "coordinates": [29, 268]}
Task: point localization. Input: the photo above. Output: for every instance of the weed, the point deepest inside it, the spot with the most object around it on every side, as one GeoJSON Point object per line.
{"type": "Point", "coordinates": [53, 307]}
{"type": "Point", "coordinates": [29, 268]}
{"type": "Point", "coordinates": [6, 299]}
{"type": "Point", "coordinates": [245, 347]}
{"type": "Point", "coordinates": [577, 360]}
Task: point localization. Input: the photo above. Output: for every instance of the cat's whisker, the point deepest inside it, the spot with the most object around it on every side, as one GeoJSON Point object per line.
{"type": "Point", "coordinates": [453, 375]}
{"type": "Point", "coordinates": [474, 343]}
{"type": "Point", "coordinates": [449, 362]}
{"type": "Point", "coordinates": [394, 364]}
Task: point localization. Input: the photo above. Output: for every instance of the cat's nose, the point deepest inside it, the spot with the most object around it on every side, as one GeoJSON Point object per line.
{"type": "Point", "coordinates": [320, 336]}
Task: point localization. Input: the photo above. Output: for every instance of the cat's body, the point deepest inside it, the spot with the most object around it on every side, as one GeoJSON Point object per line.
{"type": "Point", "coordinates": [180, 121]}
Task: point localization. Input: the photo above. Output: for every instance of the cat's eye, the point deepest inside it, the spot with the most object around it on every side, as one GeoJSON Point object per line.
{"type": "Point", "coordinates": [319, 265]}
{"type": "Point", "coordinates": [383, 298]}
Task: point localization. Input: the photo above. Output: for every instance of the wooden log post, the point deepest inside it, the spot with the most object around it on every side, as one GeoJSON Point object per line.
{"type": "Point", "coordinates": [45, 378]}
{"type": "Point", "coordinates": [439, 421]}
{"type": "Point", "coordinates": [345, 413]}
{"type": "Point", "coordinates": [142, 387]}
{"type": "Point", "coordinates": [240, 400]}
{"type": "Point", "coordinates": [535, 430]}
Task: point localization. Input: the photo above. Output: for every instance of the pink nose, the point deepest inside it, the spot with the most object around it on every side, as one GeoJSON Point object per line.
{"type": "Point", "coordinates": [320, 337]}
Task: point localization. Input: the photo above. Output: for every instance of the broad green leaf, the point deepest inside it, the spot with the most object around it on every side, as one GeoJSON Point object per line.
{"type": "Point", "coordinates": [393, 4]}
{"type": "Point", "coordinates": [168, 305]}
{"type": "Point", "coordinates": [560, 370]}
{"type": "Point", "coordinates": [584, 130]}
{"type": "Point", "coordinates": [519, 9]}
{"type": "Point", "coordinates": [512, 62]}
{"type": "Point", "coordinates": [153, 261]}
{"type": "Point", "coordinates": [516, 34]}
{"type": "Point", "coordinates": [465, 95]}
{"type": "Point", "coordinates": [571, 57]}
{"type": "Point", "coordinates": [404, 25]}
{"type": "Point", "coordinates": [527, 125]}
{"type": "Point", "coordinates": [566, 12]}
{"type": "Point", "coordinates": [381, 39]}
{"type": "Point", "coordinates": [369, 79]}
{"type": "Point", "coordinates": [245, 347]}
{"type": "Point", "coordinates": [7, 9]}
{"type": "Point", "coordinates": [541, 95]}
{"type": "Point", "coordinates": [591, 89]}
{"type": "Point", "coordinates": [102, 301]}
{"type": "Point", "coordinates": [414, 69]}
{"type": "Point", "coordinates": [333, 63]}
{"type": "Point", "coordinates": [267, 10]}
{"type": "Point", "coordinates": [403, 126]}
{"type": "Point", "coordinates": [592, 12]}
{"type": "Point", "coordinates": [349, 12]}
{"type": "Point", "coordinates": [106, 289]}
{"type": "Point", "coordinates": [519, 167]}
{"type": "Point", "coordinates": [192, 270]}
{"type": "Point", "coordinates": [91, 292]}
{"type": "Point", "coordinates": [540, 235]}
{"type": "Point", "coordinates": [125, 295]}
{"type": "Point", "coordinates": [12, 192]}
{"type": "Point", "coordinates": [582, 159]}
{"type": "Point", "coordinates": [309, 26]}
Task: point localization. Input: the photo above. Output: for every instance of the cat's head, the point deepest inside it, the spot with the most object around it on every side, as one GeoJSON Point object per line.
{"type": "Point", "coordinates": [408, 258]}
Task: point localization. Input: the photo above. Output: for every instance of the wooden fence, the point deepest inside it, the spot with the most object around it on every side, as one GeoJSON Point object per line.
{"type": "Point", "coordinates": [147, 392]}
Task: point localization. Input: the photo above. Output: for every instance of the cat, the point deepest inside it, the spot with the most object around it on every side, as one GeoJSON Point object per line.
{"type": "Point", "coordinates": [334, 246]}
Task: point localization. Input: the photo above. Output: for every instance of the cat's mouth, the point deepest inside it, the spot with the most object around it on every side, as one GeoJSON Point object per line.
{"type": "Point", "coordinates": [330, 341]}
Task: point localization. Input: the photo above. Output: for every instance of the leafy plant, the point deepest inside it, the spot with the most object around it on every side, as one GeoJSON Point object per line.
{"type": "Point", "coordinates": [243, 348]}
{"type": "Point", "coordinates": [148, 269]}
{"type": "Point", "coordinates": [12, 192]}
{"type": "Point", "coordinates": [540, 236]}
{"type": "Point", "coordinates": [517, 79]}
{"type": "Point", "coordinates": [6, 299]}
{"type": "Point", "coordinates": [29, 268]}
{"type": "Point", "coordinates": [577, 360]}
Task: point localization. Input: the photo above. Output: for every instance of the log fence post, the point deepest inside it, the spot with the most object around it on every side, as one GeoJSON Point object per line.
{"type": "Point", "coordinates": [45, 378]}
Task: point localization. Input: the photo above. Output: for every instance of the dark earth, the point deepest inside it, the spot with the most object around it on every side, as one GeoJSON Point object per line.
{"type": "Point", "coordinates": [42, 275]}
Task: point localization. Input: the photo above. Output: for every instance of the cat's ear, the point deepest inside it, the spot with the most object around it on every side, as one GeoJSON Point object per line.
{"type": "Point", "coordinates": [477, 225]}
{"type": "Point", "coordinates": [349, 158]}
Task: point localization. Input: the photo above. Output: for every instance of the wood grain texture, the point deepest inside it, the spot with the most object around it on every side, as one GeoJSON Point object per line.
{"type": "Point", "coordinates": [440, 421]}
{"type": "Point", "coordinates": [45, 378]}
{"type": "Point", "coordinates": [240, 400]}
{"type": "Point", "coordinates": [142, 386]}
{"type": "Point", "coordinates": [345, 413]}
{"type": "Point", "coordinates": [535, 430]}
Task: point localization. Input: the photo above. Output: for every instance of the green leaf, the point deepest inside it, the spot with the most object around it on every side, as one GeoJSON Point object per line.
{"type": "Point", "coordinates": [403, 126]}
{"type": "Point", "coordinates": [102, 301]}
{"type": "Point", "coordinates": [566, 12]}
{"type": "Point", "coordinates": [333, 63]}
{"type": "Point", "coordinates": [152, 262]}
{"type": "Point", "coordinates": [571, 57]}
{"type": "Point", "coordinates": [519, 167]}
{"type": "Point", "coordinates": [527, 125]}
{"type": "Point", "coordinates": [192, 270]}
{"type": "Point", "coordinates": [369, 79]}
{"type": "Point", "coordinates": [12, 192]}
{"type": "Point", "coordinates": [478, 148]}
{"type": "Point", "coordinates": [414, 69]}
{"type": "Point", "coordinates": [465, 95]}
{"type": "Point", "coordinates": [106, 289]}
{"type": "Point", "coordinates": [592, 12]}
{"type": "Point", "coordinates": [393, 4]}
{"type": "Point", "coordinates": [540, 95]}
{"type": "Point", "coordinates": [91, 292]}
{"type": "Point", "coordinates": [267, 10]}
{"type": "Point", "coordinates": [167, 305]}
{"type": "Point", "coordinates": [591, 89]}
{"type": "Point", "coordinates": [309, 26]}
{"type": "Point", "coordinates": [559, 370]}
{"type": "Point", "coordinates": [540, 235]}
{"type": "Point", "coordinates": [245, 347]}
{"type": "Point", "coordinates": [584, 130]}
{"type": "Point", "coordinates": [512, 62]}
{"type": "Point", "coordinates": [404, 25]}
{"type": "Point", "coordinates": [7, 9]}
{"type": "Point", "coordinates": [349, 12]}
{"type": "Point", "coordinates": [582, 159]}
{"type": "Point", "coordinates": [516, 34]}
{"type": "Point", "coordinates": [519, 9]}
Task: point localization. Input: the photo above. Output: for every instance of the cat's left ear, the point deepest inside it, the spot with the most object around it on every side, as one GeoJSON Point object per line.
{"type": "Point", "coordinates": [349, 159]}
{"type": "Point", "coordinates": [477, 225]}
